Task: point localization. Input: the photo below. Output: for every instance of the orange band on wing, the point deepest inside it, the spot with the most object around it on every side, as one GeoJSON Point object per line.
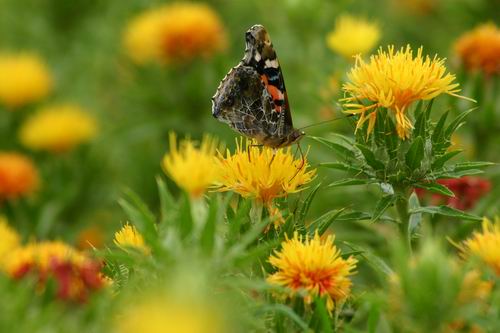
{"type": "Point", "coordinates": [275, 93]}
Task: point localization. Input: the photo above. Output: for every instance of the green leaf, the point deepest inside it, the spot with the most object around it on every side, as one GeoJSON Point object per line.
{"type": "Point", "coordinates": [376, 262]}
{"type": "Point", "coordinates": [447, 211]}
{"type": "Point", "coordinates": [283, 309]}
{"type": "Point", "coordinates": [322, 318]}
{"type": "Point", "coordinates": [354, 216]}
{"type": "Point", "coordinates": [343, 150]}
{"type": "Point", "coordinates": [322, 223]}
{"type": "Point", "coordinates": [415, 154]}
{"type": "Point", "coordinates": [370, 158]}
{"type": "Point", "coordinates": [167, 202]}
{"type": "Point", "coordinates": [457, 122]}
{"type": "Point", "coordinates": [438, 134]}
{"type": "Point", "coordinates": [382, 205]}
{"type": "Point", "coordinates": [440, 161]}
{"type": "Point", "coordinates": [341, 166]}
{"type": "Point", "coordinates": [304, 208]}
{"type": "Point", "coordinates": [436, 188]}
{"type": "Point", "coordinates": [351, 181]}
{"type": "Point", "coordinates": [471, 165]}
{"type": "Point", "coordinates": [457, 174]}
{"type": "Point", "coordinates": [420, 123]}
{"type": "Point", "coordinates": [415, 218]}
{"type": "Point", "coordinates": [391, 139]}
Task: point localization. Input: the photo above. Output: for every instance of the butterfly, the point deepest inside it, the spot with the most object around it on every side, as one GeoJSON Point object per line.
{"type": "Point", "coordinates": [252, 98]}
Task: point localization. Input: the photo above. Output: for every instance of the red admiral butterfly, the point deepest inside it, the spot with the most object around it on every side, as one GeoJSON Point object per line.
{"type": "Point", "coordinates": [252, 98]}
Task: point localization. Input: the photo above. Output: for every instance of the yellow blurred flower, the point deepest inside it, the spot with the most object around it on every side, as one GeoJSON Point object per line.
{"type": "Point", "coordinates": [173, 33]}
{"type": "Point", "coordinates": [485, 245]}
{"type": "Point", "coordinates": [395, 80]}
{"type": "Point", "coordinates": [263, 174]}
{"type": "Point", "coordinates": [18, 175]}
{"type": "Point", "coordinates": [479, 49]}
{"type": "Point", "coordinates": [353, 36]}
{"type": "Point", "coordinates": [129, 236]}
{"type": "Point", "coordinates": [313, 265]}
{"type": "Point", "coordinates": [9, 239]}
{"type": "Point", "coordinates": [157, 315]}
{"type": "Point", "coordinates": [24, 78]}
{"type": "Point", "coordinates": [58, 128]}
{"type": "Point", "coordinates": [193, 169]}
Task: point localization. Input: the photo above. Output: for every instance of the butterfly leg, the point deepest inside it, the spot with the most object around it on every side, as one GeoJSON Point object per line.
{"type": "Point", "coordinates": [272, 158]}
{"type": "Point", "coordinates": [302, 162]}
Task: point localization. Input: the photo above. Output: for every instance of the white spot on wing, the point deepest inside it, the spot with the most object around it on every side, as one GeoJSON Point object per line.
{"type": "Point", "coordinates": [272, 63]}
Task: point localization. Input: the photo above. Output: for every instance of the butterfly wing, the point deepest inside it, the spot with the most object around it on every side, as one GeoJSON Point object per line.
{"type": "Point", "coordinates": [242, 102]}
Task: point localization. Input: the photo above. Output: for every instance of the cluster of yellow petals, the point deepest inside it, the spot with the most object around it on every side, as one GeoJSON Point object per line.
{"type": "Point", "coordinates": [58, 128]}
{"type": "Point", "coordinates": [173, 33]}
{"type": "Point", "coordinates": [263, 174]}
{"type": "Point", "coordinates": [24, 78]}
{"type": "Point", "coordinates": [41, 255]}
{"type": "Point", "coordinates": [479, 49]}
{"type": "Point", "coordinates": [485, 245]}
{"type": "Point", "coordinates": [18, 175]}
{"type": "Point", "coordinates": [155, 314]}
{"type": "Point", "coordinates": [313, 265]}
{"type": "Point", "coordinates": [353, 36]}
{"type": "Point", "coordinates": [129, 236]}
{"type": "Point", "coordinates": [394, 80]}
{"type": "Point", "coordinates": [192, 168]}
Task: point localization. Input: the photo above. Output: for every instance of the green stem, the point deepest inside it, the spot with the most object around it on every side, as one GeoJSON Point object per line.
{"type": "Point", "coordinates": [404, 217]}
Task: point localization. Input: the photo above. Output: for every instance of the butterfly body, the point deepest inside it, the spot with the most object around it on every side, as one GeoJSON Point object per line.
{"type": "Point", "coordinates": [252, 97]}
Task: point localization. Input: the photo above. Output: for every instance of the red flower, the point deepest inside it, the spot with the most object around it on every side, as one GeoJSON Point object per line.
{"type": "Point", "coordinates": [468, 190]}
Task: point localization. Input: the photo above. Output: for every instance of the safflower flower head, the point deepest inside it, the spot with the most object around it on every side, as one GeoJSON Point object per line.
{"type": "Point", "coordinates": [173, 33]}
{"type": "Point", "coordinates": [313, 265]}
{"type": "Point", "coordinates": [129, 236]}
{"type": "Point", "coordinates": [263, 174]}
{"type": "Point", "coordinates": [155, 314]}
{"type": "Point", "coordinates": [484, 245]}
{"type": "Point", "coordinates": [479, 49]}
{"type": "Point", "coordinates": [193, 168]}
{"type": "Point", "coordinates": [353, 36]}
{"type": "Point", "coordinates": [24, 78]}
{"type": "Point", "coordinates": [58, 128]}
{"type": "Point", "coordinates": [9, 238]}
{"type": "Point", "coordinates": [395, 80]}
{"type": "Point", "coordinates": [76, 275]}
{"type": "Point", "coordinates": [18, 175]}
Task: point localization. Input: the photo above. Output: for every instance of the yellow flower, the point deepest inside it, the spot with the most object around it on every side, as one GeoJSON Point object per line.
{"type": "Point", "coordinates": [479, 49]}
{"type": "Point", "coordinates": [263, 174]}
{"type": "Point", "coordinates": [129, 236]}
{"type": "Point", "coordinates": [353, 36]}
{"type": "Point", "coordinates": [157, 315]}
{"type": "Point", "coordinates": [315, 266]}
{"type": "Point", "coordinates": [58, 128]}
{"type": "Point", "coordinates": [18, 175]}
{"type": "Point", "coordinates": [24, 78]}
{"type": "Point", "coordinates": [173, 33]}
{"type": "Point", "coordinates": [193, 169]}
{"type": "Point", "coordinates": [485, 245]}
{"type": "Point", "coordinates": [394, 80]}
{"type": "Point", "coordinates": [9, 239]}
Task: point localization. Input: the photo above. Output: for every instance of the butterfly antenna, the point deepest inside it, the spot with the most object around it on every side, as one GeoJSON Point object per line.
{"type": "Point", "coordinates": [327, 121]}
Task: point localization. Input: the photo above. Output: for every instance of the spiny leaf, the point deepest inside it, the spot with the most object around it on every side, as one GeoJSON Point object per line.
{"type": "Point", "coordinates": [382, 205]}
{"type": "Point", "coordinates": [446, 211]}
{"type": "Point", "coordinates": [457, 122]}
{"type": "Point", "coordinates": [440, 161]}
{"type": "Point", "coordinates": [344, 151]}
{"type": "Point", "coordinates": [436, 188]}
{"type": "Point", "coordinates": [307, 204]}
{"type": "Point", "coordinates": [370, 158]}
{"type": "Point", "coordinates": [351, 181]}
{"type": "Point", "coordinates": [415, 218]}
{"type": "Point", "coordinates": [415, 154]}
